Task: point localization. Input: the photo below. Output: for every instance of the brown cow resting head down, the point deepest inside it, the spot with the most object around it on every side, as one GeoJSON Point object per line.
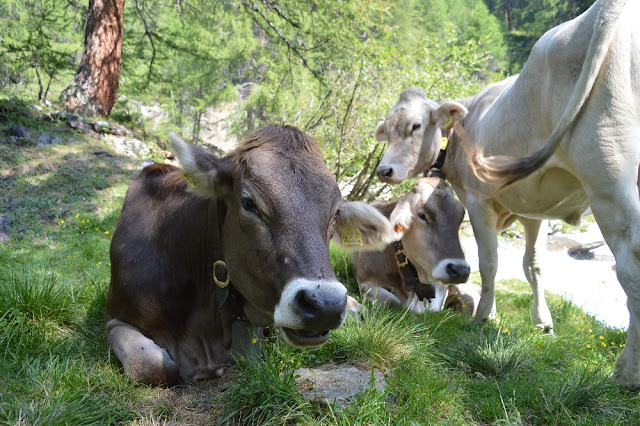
{"type": "Point", "coordinates": [431, 216]}
{"type": "Point", "coordinates": [282, 207]}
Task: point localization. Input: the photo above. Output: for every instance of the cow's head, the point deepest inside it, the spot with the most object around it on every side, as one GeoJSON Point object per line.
{"type": "Point", "coordinates": [283, 206]}
{"type": "Point", "coordinates": [429, 217]}
{"type": "Point", "coordinates": [414, 129]}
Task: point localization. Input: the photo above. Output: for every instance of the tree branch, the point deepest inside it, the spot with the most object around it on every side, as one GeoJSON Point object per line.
{"type": "Point", "coordinates": [282, 37]}
{"type": "Point", "coordinates": [149, 34]}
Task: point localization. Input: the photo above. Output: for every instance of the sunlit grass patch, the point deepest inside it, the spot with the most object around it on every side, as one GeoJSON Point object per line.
{"type": "Point", "coordinates": [263, 389]}
{"type": "Point", "coordinates": [34, 295]}
{"type": "Point", "coordinates": [581, 393]}
{"type": "Point", "coordinates": [494, 353]}
{"type": "Point", "coordinates": [383, 338]}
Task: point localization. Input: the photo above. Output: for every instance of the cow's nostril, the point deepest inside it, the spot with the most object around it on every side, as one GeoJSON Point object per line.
{"type": "Point", "coordinates": [305, 305]}
{"type": "Point", "coordinates": [458, 272]}
{"type": "Point", "coordinates": [384, 173]}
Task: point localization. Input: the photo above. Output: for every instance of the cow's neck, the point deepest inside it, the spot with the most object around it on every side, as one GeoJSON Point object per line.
{"type": "Point", "coordinates": [227, 298]}
{"type": "Point", "coordinates": [409, 274]}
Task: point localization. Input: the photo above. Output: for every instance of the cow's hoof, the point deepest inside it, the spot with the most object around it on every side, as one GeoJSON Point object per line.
{"type": "Point", "coordinates": [547, 330]}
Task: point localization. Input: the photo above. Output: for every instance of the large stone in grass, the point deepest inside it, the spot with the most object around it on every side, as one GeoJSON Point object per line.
{"type": "Point", "coordinates": [46, 139]}
{"type": "Point", "coordinates": [329, 384]}
{"type": "Point", "coordinates": [19, 131]}
{"type": "Point", "coordinates": [129, 147]}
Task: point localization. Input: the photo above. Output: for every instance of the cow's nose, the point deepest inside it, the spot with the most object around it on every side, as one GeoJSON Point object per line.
{"type": "Point", "coordinates": [384, 173]}
{"type": "Point", "coordinates": [458, 272]}
{"type": "Point", "coordinates": [320, 311]}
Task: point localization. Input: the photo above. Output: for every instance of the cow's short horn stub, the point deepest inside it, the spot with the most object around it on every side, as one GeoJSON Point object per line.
{"type": "Point", "coordinates": [220, 274]}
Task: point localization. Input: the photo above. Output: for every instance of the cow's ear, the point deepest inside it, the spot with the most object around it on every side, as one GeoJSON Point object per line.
{"type": "Point", "coordinates": [359, 226]}
{"type": "Point", "coordinates": [402, 215]}
{"type": "Point", "coordinates": [381, 135]}
{"type": "Point", "coordinates": [448, 114]}
{"type": "Point", "coordinates": [206, 174]}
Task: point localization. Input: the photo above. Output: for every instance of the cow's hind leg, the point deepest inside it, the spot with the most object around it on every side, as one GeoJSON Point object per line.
{"type": "Point", "coordinates": [536, 240]}
{"type": "Point", "coordinates": [143, 360]}
{"type": "Point", "coordinates": [616, 208]}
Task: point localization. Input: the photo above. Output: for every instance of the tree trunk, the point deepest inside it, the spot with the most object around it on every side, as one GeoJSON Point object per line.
{"type": "Point", "coordinates": [94, 88]}
{"type": "Point", "coordinates": [507, 14]}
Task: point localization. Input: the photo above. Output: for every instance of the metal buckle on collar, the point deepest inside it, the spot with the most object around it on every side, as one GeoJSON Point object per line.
{"type": "Point", "coordinates": [401, 256]}
{"type": "Point", "coordinates": [219, 283]}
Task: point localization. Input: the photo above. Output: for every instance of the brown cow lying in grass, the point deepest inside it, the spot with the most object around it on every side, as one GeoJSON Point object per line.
{"type": "Point", "coordinates": [428, 254]}
{"type": "Point", "coordinates": [201, 254]}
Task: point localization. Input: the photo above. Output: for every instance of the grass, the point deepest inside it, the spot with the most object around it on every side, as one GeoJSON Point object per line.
{"type": "Point", "coordinates": [440, 368]}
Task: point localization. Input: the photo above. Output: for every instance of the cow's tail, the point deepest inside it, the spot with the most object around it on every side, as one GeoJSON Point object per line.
{"type": "Point", "coordinates": [502, 171]}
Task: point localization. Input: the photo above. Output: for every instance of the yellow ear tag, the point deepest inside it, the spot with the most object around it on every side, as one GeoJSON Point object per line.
{"type": "Point", "coordinates": [351, 237]}
{"type": "Point", "coordinates": [444, 143]}
{"type": "Point", "coordinates": [449, 122]}
{"type": "Point", "coordinates": [192, 181]}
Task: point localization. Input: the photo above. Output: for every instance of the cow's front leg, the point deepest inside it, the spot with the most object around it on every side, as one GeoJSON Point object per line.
{"type": "Point", "coordinates": [483, 221]}
{"type": "Point", "coordinates": [375, 293]}
{"type": "Point", "coordinates": [535, 248]}
{"type": "Point", "coordinates": [143, 360]}
{"type": "Point", "coordinates": [437, 303]}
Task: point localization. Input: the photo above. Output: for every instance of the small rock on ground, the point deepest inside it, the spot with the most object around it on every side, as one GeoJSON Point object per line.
{"type": "Point", "coordinates": [339, 385]}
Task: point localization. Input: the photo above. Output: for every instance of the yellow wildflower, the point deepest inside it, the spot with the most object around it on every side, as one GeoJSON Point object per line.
{"type": "Point", "coordinates": [604, 344]}
{"type": "Point", "coordinates": [254, 340]}
{"type": "Point", "coordinates": [588, 346]}
{"type": "Point", "coordinates": [601, 337]}
{"type": "Point", "coordinates": [77, 215]}
{"type": "Point", "coordinates": [106, 232]}
{"type": "Point", "coordinates": [62, 221]}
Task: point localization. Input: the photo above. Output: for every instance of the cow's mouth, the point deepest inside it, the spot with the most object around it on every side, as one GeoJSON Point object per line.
{"type": "Point", "coordinates": [304, 338]}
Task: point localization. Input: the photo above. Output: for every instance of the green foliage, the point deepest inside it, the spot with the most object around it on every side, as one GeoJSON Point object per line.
{"type": "Point", "coordinates": [530, 19]}
{"type": "Point", "coordinates": [44, 35]}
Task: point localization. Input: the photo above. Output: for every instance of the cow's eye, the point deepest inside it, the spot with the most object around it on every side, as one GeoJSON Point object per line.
{"type": "Point", "coordinates": [422, 216]}
{"type": "Point", "coordinates": [415, 127]}
{"type": "Point", "coordinates": [249, 205]}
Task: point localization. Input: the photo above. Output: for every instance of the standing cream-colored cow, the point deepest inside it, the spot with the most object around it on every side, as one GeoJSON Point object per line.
{"type": "Point", "coordinates": [576, 105]}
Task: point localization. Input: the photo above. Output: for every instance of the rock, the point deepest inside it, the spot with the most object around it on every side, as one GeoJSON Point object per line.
{"type": "Point", "coordinates": [129, 147]}
{"type": "Point", "coordinates": [19, 131]}
{"type": "Point", "coordinates": [110, 128]}
{"type": "Point", "coordinates": [339, 385]}
{"type": "Point", "coordinates": [585, 251]}
{"type": "Point", "coordinates": [5, 224]}
{"type": "Point", "coordinates": [47, 139]}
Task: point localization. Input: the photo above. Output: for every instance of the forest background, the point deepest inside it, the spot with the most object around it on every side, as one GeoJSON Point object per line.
{"type": "Point", "coordinates": [331, 67]}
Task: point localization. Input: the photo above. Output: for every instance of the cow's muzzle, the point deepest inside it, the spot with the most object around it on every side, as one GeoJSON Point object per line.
{"type": "Point", "coordinates": [452, 271]}
{"type": "Point", "coordinates": [308, 310]}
